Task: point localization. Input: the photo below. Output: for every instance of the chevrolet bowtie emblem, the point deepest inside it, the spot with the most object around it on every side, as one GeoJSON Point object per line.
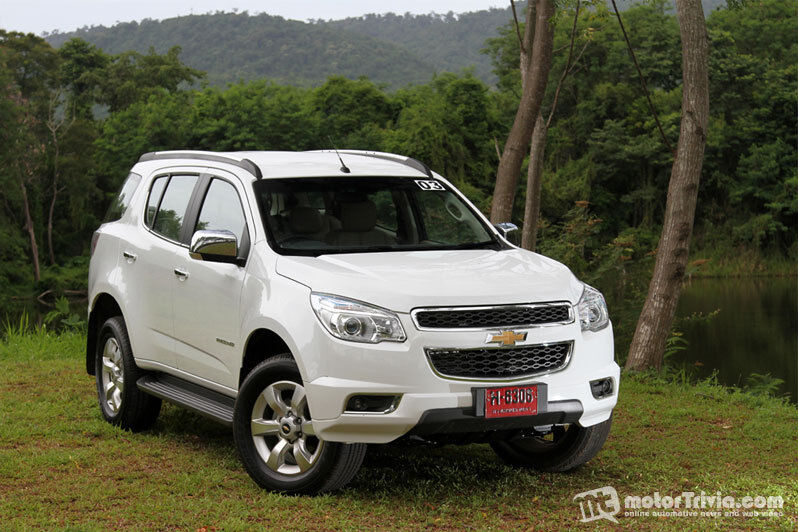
{"type": "Point", "coordinates": [505, 338]}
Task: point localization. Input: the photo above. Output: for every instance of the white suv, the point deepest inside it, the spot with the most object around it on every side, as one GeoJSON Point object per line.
{"type": "Point", "coordinates": [321, 301]}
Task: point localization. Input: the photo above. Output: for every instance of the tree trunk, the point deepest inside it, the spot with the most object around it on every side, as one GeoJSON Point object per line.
{"type": "Point", "coordinates": [50, 222]}
{"type": "Point", "coordinates": [534, 88]}
{"type": "Point", "coordinates": [648, 345]}
{"type": "Point", "coordinates": [534, 181]}
{"type": "Point", "coordinates": [30, 228]}
{"type": "Point", "coordinates": [52, 201]}
{"type": "Point", "coordinates": [537, 149]}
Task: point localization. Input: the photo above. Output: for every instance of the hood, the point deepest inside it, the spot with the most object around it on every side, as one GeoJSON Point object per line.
{"type": "Point", "coordinates": [404, 280]}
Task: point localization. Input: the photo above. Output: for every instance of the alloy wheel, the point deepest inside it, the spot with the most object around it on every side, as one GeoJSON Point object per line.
{"type": "Point", "coordinates": [113, 377]}
{"type": "Point", "coordinates": [282, 430]}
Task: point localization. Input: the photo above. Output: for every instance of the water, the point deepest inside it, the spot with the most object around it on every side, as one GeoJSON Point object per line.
{"type": "Point", "coordinates": [755, 331]}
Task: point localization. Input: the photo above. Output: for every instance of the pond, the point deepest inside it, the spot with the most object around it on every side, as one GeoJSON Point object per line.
{"type": "Point", "coordinates": [754, 331]}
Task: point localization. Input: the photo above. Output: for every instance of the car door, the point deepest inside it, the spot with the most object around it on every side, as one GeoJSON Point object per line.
{"type": "Point", "coordinates": [148, 260]}
{"type": "Point", "coordinates": [207, 298]}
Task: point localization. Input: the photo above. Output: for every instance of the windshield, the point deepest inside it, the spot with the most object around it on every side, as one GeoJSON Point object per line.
{"type": "Point", "coordinates": [315, 216]}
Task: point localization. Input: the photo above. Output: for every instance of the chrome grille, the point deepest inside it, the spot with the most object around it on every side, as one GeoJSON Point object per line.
{"type": "Point", "coordinates": [499, 363]}
{"type": "Point", "coordinates": [504, 316]}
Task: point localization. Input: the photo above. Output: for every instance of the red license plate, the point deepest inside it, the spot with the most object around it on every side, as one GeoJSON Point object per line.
{"type": "Point", "coordinates": [511, 401]}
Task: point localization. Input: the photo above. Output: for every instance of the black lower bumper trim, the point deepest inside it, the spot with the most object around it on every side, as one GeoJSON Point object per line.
{"type": "Point", "coordinates": [463, 420]}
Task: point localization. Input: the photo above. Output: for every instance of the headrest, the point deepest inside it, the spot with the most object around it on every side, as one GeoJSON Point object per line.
{"type": "Point", "coordinates": [305, 220]}
{"type": "Point", "coordinates": [358, 217]}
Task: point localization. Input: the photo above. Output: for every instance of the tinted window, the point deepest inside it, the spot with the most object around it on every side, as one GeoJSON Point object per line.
{"type": "Point", "coordinates": [374, 214]}
{"type": "Point", "coordinates": [122, 200]}
{"type": "Point", "coordinates": [222, 210]}
{"type": "Point", "coordinates": [386, 210]}
{"type": "Point", "coordinates": [443, 216]}
{"type": "Point", "coordinates": [155, 196]}
{"type": "Point", "coordinates": [169, 218]}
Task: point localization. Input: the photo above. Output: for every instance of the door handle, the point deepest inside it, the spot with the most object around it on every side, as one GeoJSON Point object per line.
{"type": "Point", "coordinates": [181, 275]}
{"type": "Point", "coordinates": [130, 257]}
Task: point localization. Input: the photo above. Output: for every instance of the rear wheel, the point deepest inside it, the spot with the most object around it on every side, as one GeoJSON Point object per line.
{"type": "Point", "coordinates": [121, 402]}
{"type": "Point", "coordinates": [563, 449]}
{"type": "Point", "coordinates": [275, 437]}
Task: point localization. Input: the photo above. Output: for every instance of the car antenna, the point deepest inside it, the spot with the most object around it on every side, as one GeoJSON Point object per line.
{"type": "Point", "coordinates": [344, 168]}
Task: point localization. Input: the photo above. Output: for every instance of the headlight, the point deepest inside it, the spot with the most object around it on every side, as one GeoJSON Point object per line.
{"type": "Point", "coordinates": [593, 314]}
{"type": "Point", "coordinates": [355, 321]}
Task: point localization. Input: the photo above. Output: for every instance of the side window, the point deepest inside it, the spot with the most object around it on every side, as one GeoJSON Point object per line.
{"type": "Point", "coordinates": [222, 210]}
{"type": "Point", "coordinates": [118, 207]}
{"type": "Point", "coordinates": [155, 197]}
{"type": "Point", "coordinates": [172, 210]}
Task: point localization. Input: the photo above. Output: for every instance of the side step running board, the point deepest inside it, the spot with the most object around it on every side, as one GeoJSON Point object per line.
{"type": "Point", "coordinates": [209, 403]}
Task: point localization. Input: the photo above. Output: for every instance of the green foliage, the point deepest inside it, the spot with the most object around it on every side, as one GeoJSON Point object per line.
{"type": "Point", "coordinates": [253, 116]}
{"type": "Point", "coordinates": [131, 77]}
{"type": "Point", "coordinates": [62, 314]}
{"type": "Point", "coordinates": [348, 110]}
{"type": "Point", "coordinates": [763, 384]}
{"type": "Point", "coordinates": [447, 42]}
{"type": "Point", "coordinates": [233, 47]}
{"type": "Point", "coordinates": [81, 72]}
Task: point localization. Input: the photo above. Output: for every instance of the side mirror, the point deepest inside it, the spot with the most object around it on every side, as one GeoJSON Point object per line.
{"type": "Point", "coordinates": [505, 228]}
{"type": "Point", "coordinates": [214, 246]}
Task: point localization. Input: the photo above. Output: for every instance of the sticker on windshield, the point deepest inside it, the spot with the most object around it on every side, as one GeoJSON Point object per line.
{"type": "Point", "coordinates": [429, 185]}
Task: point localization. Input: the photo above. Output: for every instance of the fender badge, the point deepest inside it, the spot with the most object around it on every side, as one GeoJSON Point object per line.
{"type": "Point", "coordinates": [505, 338]}
{"type": "Point", "coordinates": [225, 342]}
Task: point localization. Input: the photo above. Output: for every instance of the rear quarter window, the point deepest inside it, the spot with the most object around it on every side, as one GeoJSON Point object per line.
{"type": "Point", "coordinates": [122, 201]}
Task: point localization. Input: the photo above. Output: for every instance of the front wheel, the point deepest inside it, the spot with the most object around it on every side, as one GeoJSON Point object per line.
{"type": "Point", "coordinates": [275, 438]}
{"type": "Point", "coordinates": [565, 448]}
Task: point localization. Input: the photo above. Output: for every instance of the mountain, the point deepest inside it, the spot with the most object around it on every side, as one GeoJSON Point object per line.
{"type": "Point", "coordinates": [230, 47]}
{"type": "Point", "coordinates": [395, 50]}
{"type": "Point", "coordinates": [450, 42]}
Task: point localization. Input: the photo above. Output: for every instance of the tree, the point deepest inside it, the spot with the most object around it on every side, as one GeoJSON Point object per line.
{"type": "Point", "coordinates": [348, 108]}
{"type": "Point", "coordinates": [81, 74]}
{"type": "Point", "coordinates": [32, 65]}
{"type": "Point", "coordinates": [648, 345]}
{"type": "Point", "coordinates": [536, 51]}
{"type": "Point", "coordinates": [59, 120]}
{"type": "Point", "coordinates": [537, 148]}
{"type": "Point", "coordinates": [132, 77]}
{"type": "Point", "coordinates": [253, 116]}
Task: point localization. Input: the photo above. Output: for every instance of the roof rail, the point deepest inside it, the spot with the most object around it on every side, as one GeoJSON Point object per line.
{"type": "Point", "coordinates": [407, 161]}
{"type": "Point", "coordinates": [246, 164]}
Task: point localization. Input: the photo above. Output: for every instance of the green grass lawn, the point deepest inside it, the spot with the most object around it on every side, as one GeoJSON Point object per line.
{"type": "Point", "coordinates": [63, 467]}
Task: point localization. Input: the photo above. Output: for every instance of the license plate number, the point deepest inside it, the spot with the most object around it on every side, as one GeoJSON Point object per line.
{"type": "Point", "coordinates": [511, 401]}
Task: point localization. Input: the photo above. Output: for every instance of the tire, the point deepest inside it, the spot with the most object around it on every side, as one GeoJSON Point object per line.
{"type": "Point", "coordinates": [121, 402]}
{"type": "Point", "coordinates": [567, 448]}
{"type": "Point", "coordinates": [284, 456]}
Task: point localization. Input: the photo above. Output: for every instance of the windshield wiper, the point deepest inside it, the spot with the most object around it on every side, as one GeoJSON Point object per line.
{"type": "Point", "coordinates": [416, 247]}
{"type": "Point", "coordinates": [475, 245]}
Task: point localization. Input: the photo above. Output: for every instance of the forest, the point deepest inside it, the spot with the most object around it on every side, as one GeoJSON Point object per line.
{"type": "Point", "coordinates": [74, 119]}
{"type": "Point", "coordinates": [391, 49]}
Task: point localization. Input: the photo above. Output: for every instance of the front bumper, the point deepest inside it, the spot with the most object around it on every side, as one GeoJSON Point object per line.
{"type": "Point", "coordinates": [433, 404]}
{"type": "Point", "coordinates": [463, 420]}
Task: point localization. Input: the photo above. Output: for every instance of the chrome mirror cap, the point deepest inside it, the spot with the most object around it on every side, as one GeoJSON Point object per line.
{"type": "Point", "coordinates": [506, 228]}
{"type": "Point", "coordinates": [218, 246]}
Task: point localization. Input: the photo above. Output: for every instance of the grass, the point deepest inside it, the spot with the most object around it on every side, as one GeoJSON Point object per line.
{"type": "Point", "coordinates": [63, 467]}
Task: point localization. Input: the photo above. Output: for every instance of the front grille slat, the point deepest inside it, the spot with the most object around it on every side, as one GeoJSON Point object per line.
{"type": "Point", "coordinates": [494, 317]}
{"type": "Point", "coordinates": [499, 363]}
